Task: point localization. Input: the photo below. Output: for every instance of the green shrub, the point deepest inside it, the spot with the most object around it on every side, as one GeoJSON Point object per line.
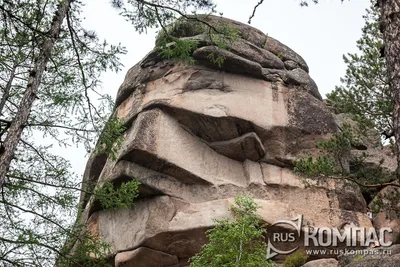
{"type": "Point", "coordinates": [236, 243]}
{"type": "Point", "coordinates": [112, 197]}
{"type": "Point", "coordinates": [296, 259]}
{"type": "Point", "coordinates": [314, 167]}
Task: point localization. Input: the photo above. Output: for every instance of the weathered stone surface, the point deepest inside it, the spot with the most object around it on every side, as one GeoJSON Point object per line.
{"type": "Point", "coordinates": [370, 137]}
{"type": "Point", "coordinates": [149, 144]}
{"type": "Point", "coordinates": [322, 263]}
{"type": "Point", "coordinates": [388, 217]}
{"type": "Point", "coordinates": [205, 79]}
{"type": "Point", "coordinates": [285, 53]}
{"type": "Point", "coordinates": [144, 257]}
{"type": "Point", "coordinates": [311, 114]}
{"type": "Point", "coordinates": [185, 28]}
{"type": "Point", "coordinates": [198, 135]}
{"type": "Point", "coordinates": [247, 146]}
{"type": "Point", "coordinates": [375, 257]}
{"type": "Point", "coordinates": [274, 75]}
{"type": "Point", "coordinates": [374, 153]}
{"type": "Point", "coordinates": [291, 65]}
{"type": "Point", "coordinates": [379, 156]}
{"type": "Point", "coordinates": [242, 48]}
{"type": "Point", "coordinates": [300, 77]}
{"type": "Point", "coordinates": [254, 53]}
{"type": "Point", "coordinates": [177, 228]}
{"type": "Point", "coordinates": [388, 262]}
{"type": "Point", "coordinates": [137, 76]}
{"type": "Point", "coordinates": [218, 111]}
{"type": "Point", "coordinates": [94, 166]}
{"type": "Point", "coordinates": [351, 199]}
{"type": "Point", "coordinates": [231, 62]}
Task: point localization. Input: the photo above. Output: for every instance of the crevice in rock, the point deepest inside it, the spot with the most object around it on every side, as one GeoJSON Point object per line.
{"type": "Point", "coordinates": [218, 129]}
{"type": "Point", "coordinates": [96, 206]}
{"type": "Point", "coordinates": [147, 160]}
{"type": "Point", "coordinates": [143, 256]}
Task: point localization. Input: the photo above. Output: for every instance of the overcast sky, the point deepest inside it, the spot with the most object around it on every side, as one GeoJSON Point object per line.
{"type": "Point", "coordinates": [321, 34]}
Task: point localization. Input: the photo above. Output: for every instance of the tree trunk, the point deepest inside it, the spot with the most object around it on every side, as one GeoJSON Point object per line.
{"type": "Point", "coordinates": [35, 76]}
{"type": "Point", "coordinates": [390, 19]}
{"type": "Point", "coordinates": [7, 89]}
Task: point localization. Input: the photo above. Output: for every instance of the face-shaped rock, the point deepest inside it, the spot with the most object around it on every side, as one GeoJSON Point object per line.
{"type": "Point", "coordinates": [200, 134]}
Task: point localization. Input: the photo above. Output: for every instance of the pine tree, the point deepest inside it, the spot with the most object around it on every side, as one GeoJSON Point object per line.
{"type": "Point", "coordinates": [389, 26]}
{"type": "Point", "coordinates": [43, 95]}
{"type": "Point", "coordinates": [364, 92]}
{"type": "Point", "coordinates": [49, 75]}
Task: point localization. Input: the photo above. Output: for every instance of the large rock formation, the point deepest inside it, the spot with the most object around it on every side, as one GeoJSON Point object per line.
{"type": "Point", "coordinates": [199, 134]}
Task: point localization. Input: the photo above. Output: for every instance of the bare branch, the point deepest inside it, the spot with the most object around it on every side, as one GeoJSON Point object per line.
{"type": "Point", "coordinates": [362, 184]}
{"type": "Point", "coordinates": [254, 11]}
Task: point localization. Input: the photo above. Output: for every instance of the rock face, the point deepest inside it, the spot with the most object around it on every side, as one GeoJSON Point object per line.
{"type": "Point", "coordinates": [389, 215]}
{"type": "Point", "coordinates": [198, 135]}
{"type": "Point", "coordinates": [322, 263]}
{"type": "Point", "coordinates": [376, 257]}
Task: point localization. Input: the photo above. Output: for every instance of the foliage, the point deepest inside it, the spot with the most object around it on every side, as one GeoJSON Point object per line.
{"type": "Point", "coordinates": [335, 159]}
{"type": "Point", "coordinates": [334, 156]}
{"type": "Point", "coordinates": [85, 250]}
{"type": "Point", "coordinates": [121, 197]}
{"type": "Point", "coordinates": [237, 242]}
{"type": "Point", "coordinates": [358, 257]}
{"type": "Point", "coordinates": [171, 16]}
{"type": "Point", "coordinates": [296, 259]}
{"type": "Point", "coordinates": [364, 92]}
{"type": "Point", "coordinates": [338, 147]}
{"type": "Point", "coordinates": [371, 175]}
{"type": "Point", "coordinates": [223, 39]}
{"type": "Point", "coordinates": [39, 196]}
{"type": "Point", "coordinates": [170, 46]}
{"type": "Point", "coordinates": [110, 139]}
{"type": "Point", "coordinates": [321, 165]}
{"type": "Point", "coordinates": [150, 14]}
{"type": "Point", "coordinates": [178, 50]}
{"type": "Point", "coordinates": [365, 95]}
{"type": "Point", "coordinates": [389, 202]}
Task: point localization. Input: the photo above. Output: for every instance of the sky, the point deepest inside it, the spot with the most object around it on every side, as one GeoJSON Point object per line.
{"type": "Point", "coordinates": [321, 34]}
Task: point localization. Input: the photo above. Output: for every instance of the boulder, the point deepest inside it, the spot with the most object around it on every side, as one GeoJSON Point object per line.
{"type": "Point", "coordinates": [242, 48]}
{"type": "Point", "coordinates": [388, 215]}
{"type": "Point", "coordinates": [254, 53]}
{"type": "Point", "coordinates": [185, 28]}
{"type": "Point", "coordinates": [322, 263]}
{"type": "Point", "coordinates": [200, 134]}
{"type": "Point", "coordinates": [144, 257]}
{"type": "Point", "coordinates": [375, 257]}
{"type": "Point", "coordinates": [230, 61]}
{"type": "Point", "coordinates": [300, 77]}
{"type": "Point", "coordinates": [285, 53]}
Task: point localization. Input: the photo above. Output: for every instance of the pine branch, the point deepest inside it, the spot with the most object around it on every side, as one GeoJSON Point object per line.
{"type": "Point", "coordinates": [194, 18]}
{"type": "Point", "coordinates": [90, 105]}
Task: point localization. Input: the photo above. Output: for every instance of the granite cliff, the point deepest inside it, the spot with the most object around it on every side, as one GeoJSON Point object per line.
{"type": "Point", "coordinates": [199, 134]}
